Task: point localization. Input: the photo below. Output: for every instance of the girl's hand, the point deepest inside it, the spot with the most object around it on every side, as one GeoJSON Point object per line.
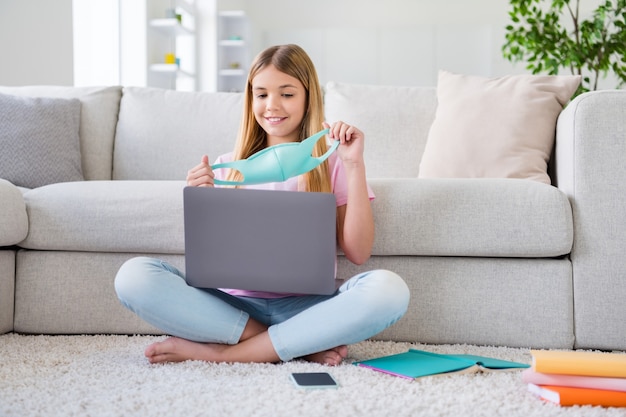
{"type": "Point", "coordinates": [201, 175]}
{"type": "Point", "coordinates": [351, 141]}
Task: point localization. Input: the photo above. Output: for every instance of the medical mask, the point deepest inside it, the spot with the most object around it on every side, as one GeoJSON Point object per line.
{"type": "Point", "coordinates": [279, 162]}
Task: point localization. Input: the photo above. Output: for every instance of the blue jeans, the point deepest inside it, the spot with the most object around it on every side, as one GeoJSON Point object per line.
{"type": "Point", "coordinates": [362, 307]}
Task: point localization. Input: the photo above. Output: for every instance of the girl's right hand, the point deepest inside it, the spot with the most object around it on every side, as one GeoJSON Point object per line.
{"type": "Point", "coordinates": [201, 175]}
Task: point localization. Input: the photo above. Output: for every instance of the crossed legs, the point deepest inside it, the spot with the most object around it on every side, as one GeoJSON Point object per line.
{"type": "Point", "coordinates": [213, 326]}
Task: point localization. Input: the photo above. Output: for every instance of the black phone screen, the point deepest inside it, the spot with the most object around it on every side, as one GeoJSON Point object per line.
{"type": "Point", "coordinates": [313, 379]}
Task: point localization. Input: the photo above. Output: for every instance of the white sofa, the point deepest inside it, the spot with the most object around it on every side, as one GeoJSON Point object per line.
{"type": "Point", "coordinates": [489, 261]}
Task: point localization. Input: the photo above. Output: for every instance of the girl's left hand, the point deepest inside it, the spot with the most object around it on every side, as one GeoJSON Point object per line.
{"type": "Point", "coordinates": [351, 141]}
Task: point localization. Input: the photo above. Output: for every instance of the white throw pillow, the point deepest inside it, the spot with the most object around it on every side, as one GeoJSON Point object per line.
{"type": "Point", "coordinates": [495, 127]}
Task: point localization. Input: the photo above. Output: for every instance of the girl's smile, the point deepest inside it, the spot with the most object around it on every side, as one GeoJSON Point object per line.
{"type": "Point", "coordinates": [275, 120]}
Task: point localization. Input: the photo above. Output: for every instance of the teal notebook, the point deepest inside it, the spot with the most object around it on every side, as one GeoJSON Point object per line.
{"type": "Point", "coordinates": [418, 363]}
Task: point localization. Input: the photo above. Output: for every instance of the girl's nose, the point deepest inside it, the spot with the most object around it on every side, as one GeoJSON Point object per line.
{"type": "Point", "coordinates": [272, 103]}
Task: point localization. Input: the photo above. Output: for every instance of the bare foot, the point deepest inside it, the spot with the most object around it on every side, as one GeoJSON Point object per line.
{"type": "Point", "coordinates": [175, 349]}
{"type": "Point", "coordinates": [332, 357]}
{"type": "Point", "coordinates": [258, 349]}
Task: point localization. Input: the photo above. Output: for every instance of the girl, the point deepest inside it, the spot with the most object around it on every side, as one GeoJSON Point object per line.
{"type": "Point", "coordinates": [283, 103]}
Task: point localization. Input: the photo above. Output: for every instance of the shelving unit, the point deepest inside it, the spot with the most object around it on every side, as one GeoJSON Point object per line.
{"type": "Point", "coordinates": [174, 36]}
{"type": "Point", "coordinates": [233, 33]}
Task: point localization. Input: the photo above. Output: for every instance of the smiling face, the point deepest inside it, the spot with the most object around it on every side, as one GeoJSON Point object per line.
{"type": "Point", "coordinates": [279, 105]}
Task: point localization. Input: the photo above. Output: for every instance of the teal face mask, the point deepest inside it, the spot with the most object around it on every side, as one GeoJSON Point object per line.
{"type": "Point", "coordinates": [279, 162]}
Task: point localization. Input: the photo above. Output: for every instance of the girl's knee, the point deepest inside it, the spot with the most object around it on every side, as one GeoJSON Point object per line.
{"type": "Point", "coordinates": [387, 290]}
{"type": "Point", "coordinates": [133, 274]}
{"type": "Point", "coordinates": [382, 298]}
{"type": "Point", "coordinates": [394, 288]}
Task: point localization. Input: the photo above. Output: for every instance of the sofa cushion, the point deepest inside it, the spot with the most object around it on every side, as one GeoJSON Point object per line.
{"type": "Point", "coordinates": [13, 217]}
{"type": "Point", "coordinates": [495, 127]}
{"type": "Point", "coordinates": [98, 118]}
{"type": "Point", "coordinates": [39, 140]}
{"type": "Point", "coordinates": [107, 216]}
{"type": "Point", "coordinates": [471, 217]}
{"type": "Point", "coordinates": [60, 292]}
{"type": "Point", "coordinates": [490, 218]}
{"type": "Point", "coordinates": [7, 290]}
{"type": "Point", "coordinates": [395, 121]}
{"type": "Point", "coordinates": [161, 134]}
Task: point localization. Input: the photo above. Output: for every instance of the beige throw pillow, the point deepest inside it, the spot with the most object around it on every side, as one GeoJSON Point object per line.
{"type": "Point", "coordinates": [495, 127]}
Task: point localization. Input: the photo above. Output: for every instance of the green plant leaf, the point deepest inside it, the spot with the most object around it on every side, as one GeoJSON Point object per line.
{"type": "Point", "coordinates": [551, 37]}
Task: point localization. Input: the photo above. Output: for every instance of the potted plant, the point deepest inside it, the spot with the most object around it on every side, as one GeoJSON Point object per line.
{"type": "Point", "coordinates": [551, 36]}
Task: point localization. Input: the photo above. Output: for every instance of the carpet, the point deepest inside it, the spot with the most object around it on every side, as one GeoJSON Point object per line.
{"type": "Point", "coordinates": [108, 376]}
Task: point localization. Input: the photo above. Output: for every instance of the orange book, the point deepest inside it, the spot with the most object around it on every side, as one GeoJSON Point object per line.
{"type": "Point", "coordinates": [579, 396]}
{"type": "Point", "coordinates": [579, 363]}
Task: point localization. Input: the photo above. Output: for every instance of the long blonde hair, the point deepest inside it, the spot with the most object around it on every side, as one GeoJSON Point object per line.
{"type": "Point", "coordinates": [294, 61]}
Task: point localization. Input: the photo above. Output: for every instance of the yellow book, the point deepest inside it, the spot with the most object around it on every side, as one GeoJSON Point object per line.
{"type": "Point", "coordinates": [579, 363]}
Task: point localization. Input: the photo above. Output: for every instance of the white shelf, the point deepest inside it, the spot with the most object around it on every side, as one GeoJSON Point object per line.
{"type": "Point", "coordinates": [232, 42]}
{"type": "Point", "coordinates": [232, 72]}
{"type": "Point", "coordinates": [187, 5]}
{"type": "Point", "coordinates": [232, 13]}
{"type": "Point", "coordinates": [169, 69]}
{"type": "Point", "coordinates": [170, 26]}
{"type": "Point", "coordinates": [164, 67]}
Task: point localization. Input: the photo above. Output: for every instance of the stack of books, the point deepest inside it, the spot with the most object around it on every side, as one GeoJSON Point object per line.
{"type": "Point", "coordinates": [578, 377]}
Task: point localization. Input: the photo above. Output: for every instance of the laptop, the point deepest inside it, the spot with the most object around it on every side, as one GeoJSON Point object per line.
{"type": "Point", "coordinates": [260, 240]}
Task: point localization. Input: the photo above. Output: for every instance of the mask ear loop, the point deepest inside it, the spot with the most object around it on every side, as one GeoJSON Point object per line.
{"type": "Point", "coordinates": [232, 165]}
{"type": "Point", "coordinates": [310, 142]}
{"type": "Point", "coordinates": [330, 150]}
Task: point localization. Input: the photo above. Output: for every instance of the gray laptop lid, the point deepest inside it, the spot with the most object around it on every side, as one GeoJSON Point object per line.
{"type": "Point", "coordinates": [277, 241]}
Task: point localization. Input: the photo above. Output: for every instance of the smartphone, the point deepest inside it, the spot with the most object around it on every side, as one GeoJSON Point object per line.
{"type": "Point", "coordinates": [313, 380]}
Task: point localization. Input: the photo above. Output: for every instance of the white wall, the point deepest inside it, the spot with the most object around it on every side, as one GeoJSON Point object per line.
{"type": "Point", "coordinates": [36, 42]}
{"type": "Point", "coordinates": [393, 42]}
{"type": "Point", "coordinates": [361, 41]}
{"type": "Point", "coordinates": [397, 42]}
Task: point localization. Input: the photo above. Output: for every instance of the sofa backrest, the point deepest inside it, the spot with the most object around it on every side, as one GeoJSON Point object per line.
{"type": "Point", "coordinates": [395, 121]}
{"type": "Point", "coordinates": [161, 134]}
{"type": "Point", "coordinates": [98, 116]}
{"type": "Point", "coordinates": [142, 133]}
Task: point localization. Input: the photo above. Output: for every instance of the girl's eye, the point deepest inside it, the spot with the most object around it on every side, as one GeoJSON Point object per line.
{"type": "Point", "coordinates": [261, 96]}
{"type": "Point", "coordinates": [287, 95]}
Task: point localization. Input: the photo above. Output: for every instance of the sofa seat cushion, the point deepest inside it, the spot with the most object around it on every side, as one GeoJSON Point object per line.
{"type": "Point", "coordinates": [13, 218]}
{"type": "Point", "coordinates": [107, 216]}
{"type": "Point", "coordinates": [434, 217]}
{"type": "Point", "coordinates": [471, 217]}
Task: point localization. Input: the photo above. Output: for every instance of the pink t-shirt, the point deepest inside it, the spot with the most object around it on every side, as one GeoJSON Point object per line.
{"type": "Point", "coordinates": [339, 187]}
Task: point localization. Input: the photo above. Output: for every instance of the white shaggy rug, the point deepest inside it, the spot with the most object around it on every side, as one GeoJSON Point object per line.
{"type": "Point", "coordinates": [108, 376]}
